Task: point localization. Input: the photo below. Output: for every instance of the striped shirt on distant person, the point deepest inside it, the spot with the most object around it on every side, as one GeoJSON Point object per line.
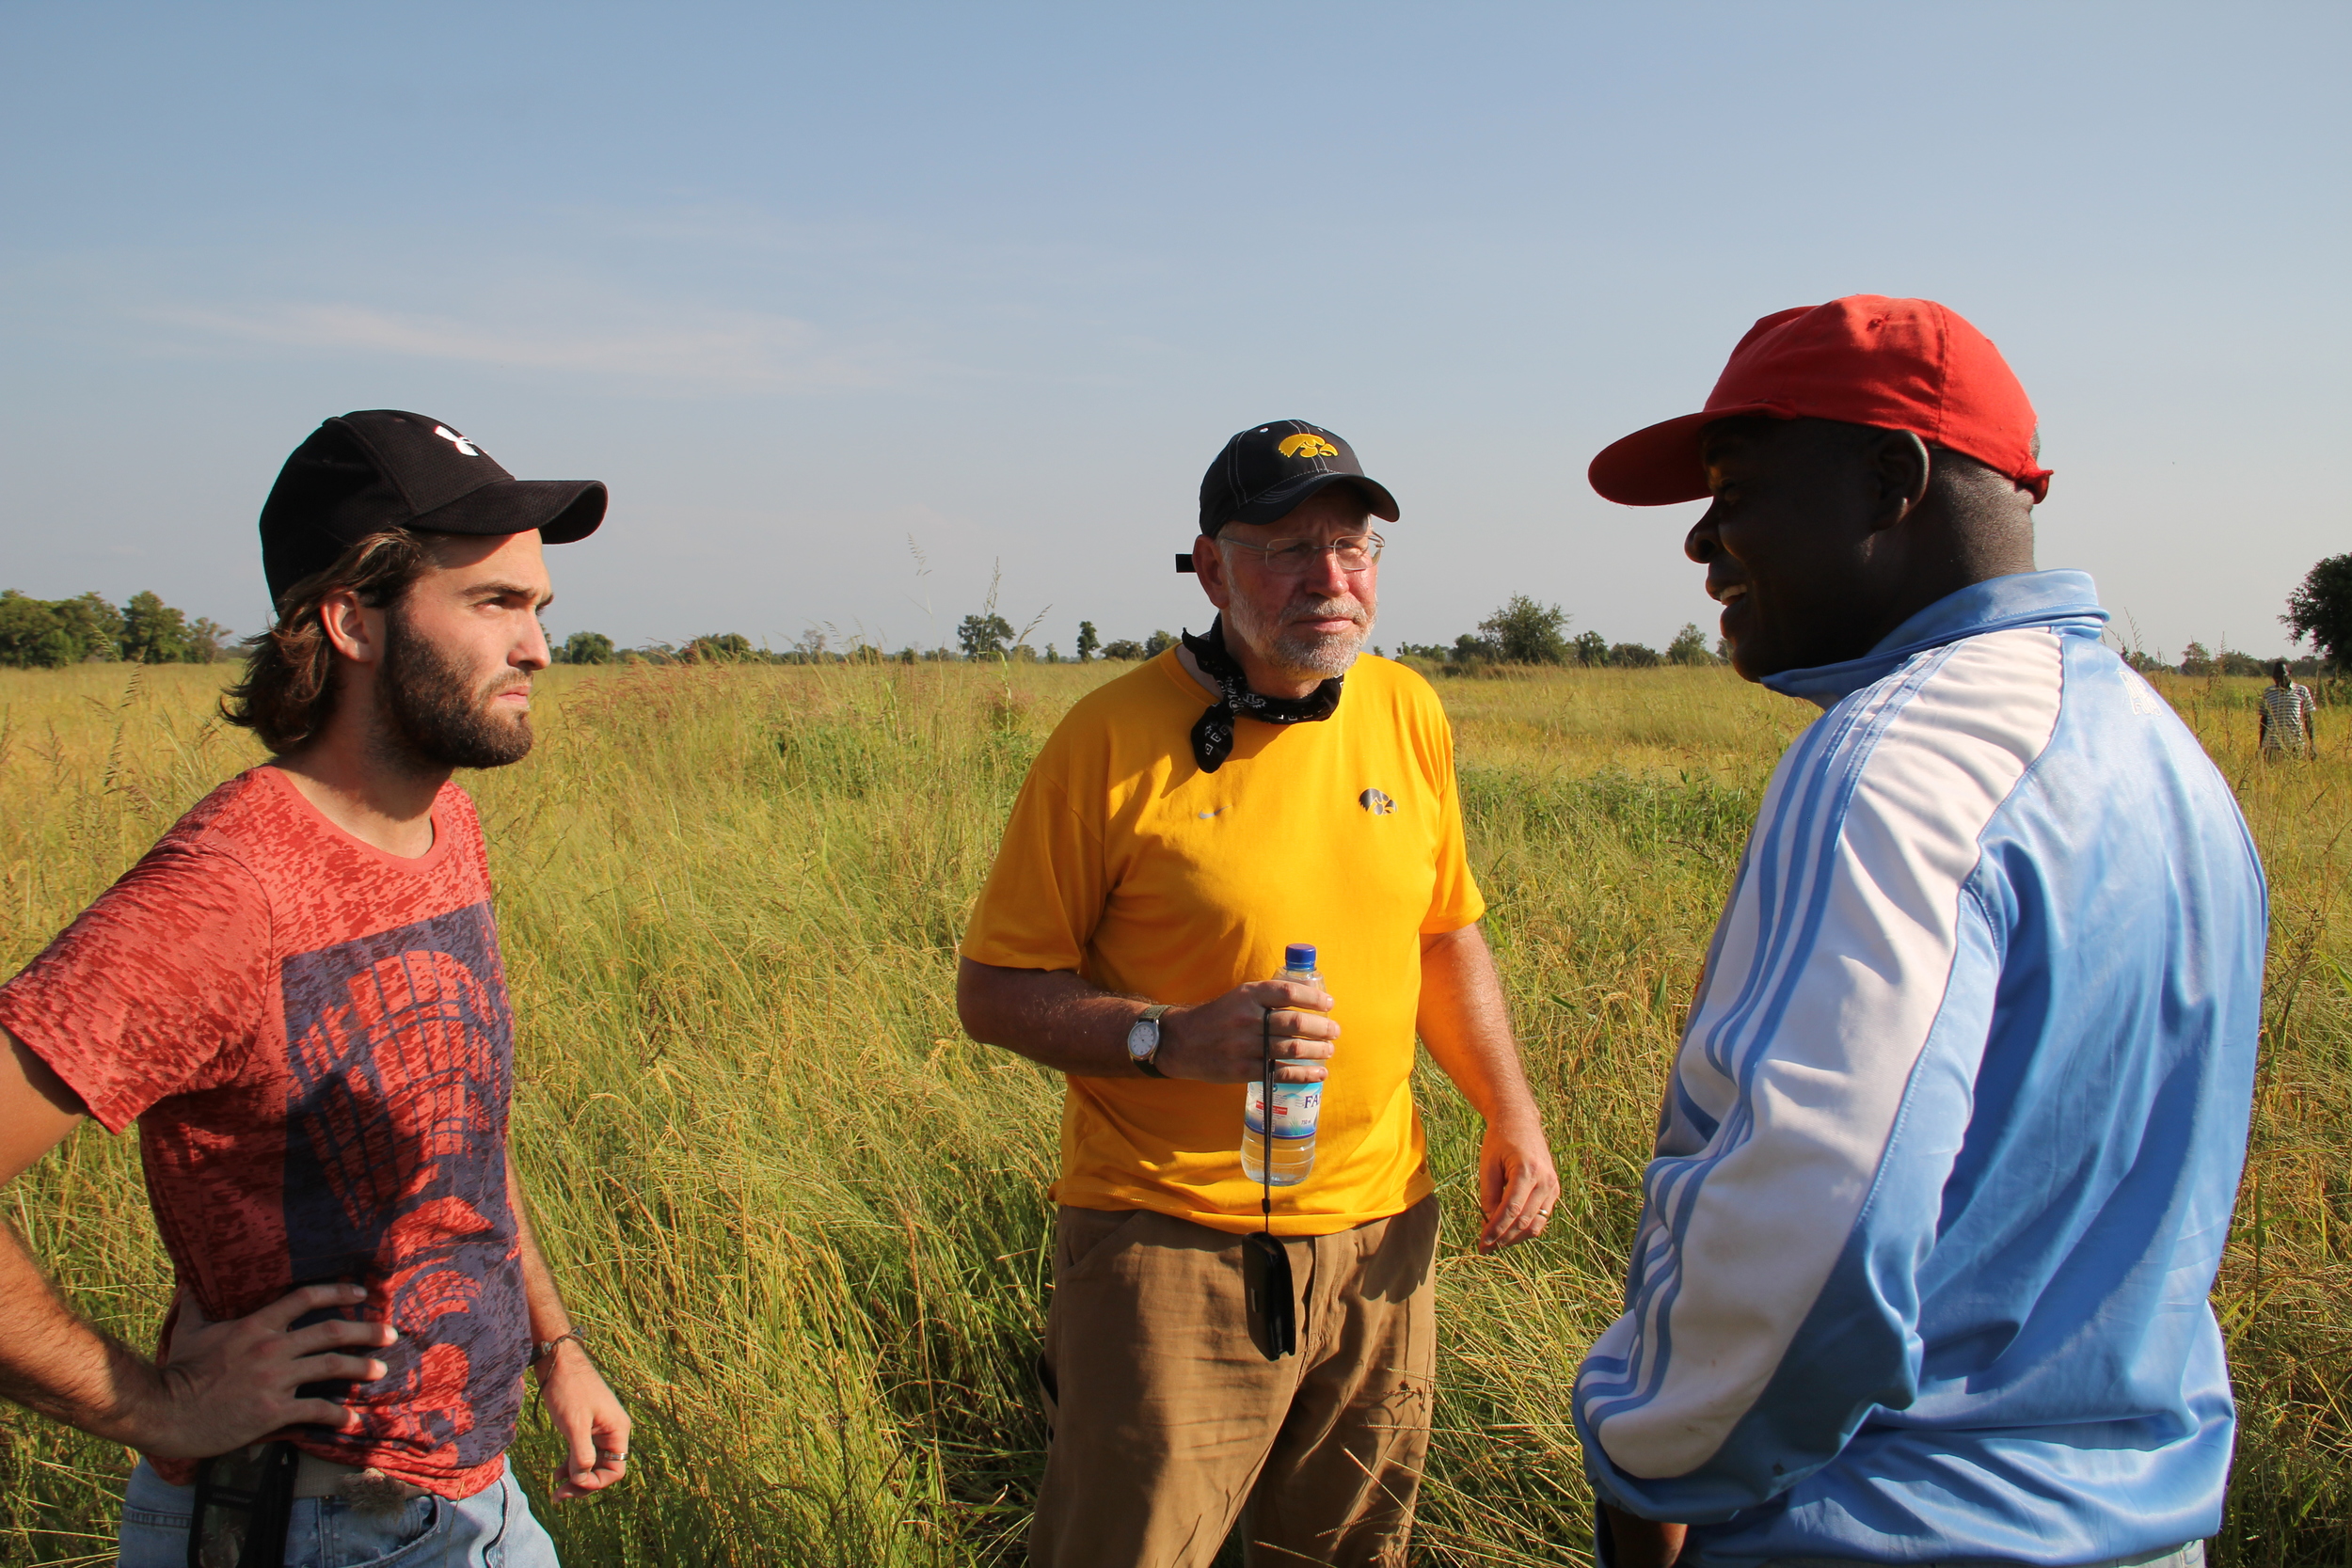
{"type": "Point", "coordinates": [2286, 719]}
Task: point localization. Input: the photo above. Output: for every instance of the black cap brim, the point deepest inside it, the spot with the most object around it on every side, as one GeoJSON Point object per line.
{"type": "Point", "coordinates": [561, 509]}
{"type": "Point", "coordinates": [1286, 497]}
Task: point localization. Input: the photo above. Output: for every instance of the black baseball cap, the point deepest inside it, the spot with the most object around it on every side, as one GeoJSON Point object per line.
{"type": "Point", "coordinates": [1264, 473]}
{"type": "Point", "coordinates": [381, 468]}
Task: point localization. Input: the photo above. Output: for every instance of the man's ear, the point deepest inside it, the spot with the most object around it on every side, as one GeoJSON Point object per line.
{"type": "Point", "coordinates": [356, 631]}
{"type": "Point", "coordinates": [1900, 462]}
{"type": "Point", "coordinates": [1208, 564]}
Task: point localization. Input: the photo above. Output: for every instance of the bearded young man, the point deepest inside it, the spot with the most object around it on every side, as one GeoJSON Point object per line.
{"type": "Point", "coordinates": [298, 996]}
{"type": "Point", "coordinates": [1161, 857]}
{"type": "Point", "coordinates": [1948, 1153]}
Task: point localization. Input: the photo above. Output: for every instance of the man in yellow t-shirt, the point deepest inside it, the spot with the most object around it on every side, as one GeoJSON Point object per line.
{"type": "Point", "coordinates": [1184, 824]}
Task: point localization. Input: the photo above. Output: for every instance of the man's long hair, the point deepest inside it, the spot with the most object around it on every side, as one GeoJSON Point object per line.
{"type": "Point", "coordinates": [288, 690]}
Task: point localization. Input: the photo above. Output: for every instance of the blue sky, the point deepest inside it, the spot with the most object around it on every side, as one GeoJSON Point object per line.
{"type": "Point", "coordinates": [817, 289]}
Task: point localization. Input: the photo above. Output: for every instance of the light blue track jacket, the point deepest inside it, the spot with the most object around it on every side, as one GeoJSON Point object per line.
{"type": "Point", "coordinates": [1947, 1159]}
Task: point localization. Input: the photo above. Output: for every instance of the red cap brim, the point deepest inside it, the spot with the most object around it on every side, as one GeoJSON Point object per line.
{"type": "Point", "coordinates": [1659, 465]}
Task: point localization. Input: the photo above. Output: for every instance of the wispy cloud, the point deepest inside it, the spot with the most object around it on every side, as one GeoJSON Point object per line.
{"type": "Point", "coordinates": [734, 351]}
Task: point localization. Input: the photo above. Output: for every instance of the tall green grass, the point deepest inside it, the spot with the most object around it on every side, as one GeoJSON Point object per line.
{"type": "Point", "coordinates": [805, 1219]}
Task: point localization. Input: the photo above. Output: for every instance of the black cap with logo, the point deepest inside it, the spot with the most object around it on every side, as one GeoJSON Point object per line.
{"type": "Point", "coordinates": [380, 468]}
{"type": "Point", "coordinates": [1264, 473]}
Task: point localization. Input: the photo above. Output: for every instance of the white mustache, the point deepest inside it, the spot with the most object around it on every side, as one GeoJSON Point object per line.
{"type": "Point", "coordinates": [1326, 610]}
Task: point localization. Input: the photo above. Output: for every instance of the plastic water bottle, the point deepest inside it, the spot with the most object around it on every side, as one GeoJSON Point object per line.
{"type": "Point", "coordinates": [1297, 1106]}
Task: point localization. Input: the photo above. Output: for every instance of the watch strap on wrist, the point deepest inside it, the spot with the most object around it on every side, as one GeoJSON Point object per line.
{"type": "Point", "coordinates": [1148, 1064]}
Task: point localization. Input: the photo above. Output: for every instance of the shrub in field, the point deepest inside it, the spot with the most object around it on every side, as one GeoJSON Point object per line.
{"type": "Point", "coordinates": [1689, 646]}
{"type": "Point", "coordinates": [585, 647]}
{"type": "Point", "coordinates": [730, 647]}
{"type": "Point", "coordinates": [1634, 656]}
{"type": "Point", "coordinates": [1526, 632]}
{"type": "Point", "coordinates": [1592, 649]}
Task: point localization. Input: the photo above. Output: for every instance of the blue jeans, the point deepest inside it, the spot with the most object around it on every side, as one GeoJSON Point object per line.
{"type": "Point", "coordinates": [493, 1528]}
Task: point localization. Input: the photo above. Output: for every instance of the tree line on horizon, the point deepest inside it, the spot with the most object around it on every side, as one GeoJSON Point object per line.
{"type": "Point", "coordinates": [1524, 631]}
{"type": "Point", "coordinates": [49, 633]}
{"type": "Point", "coordinates": [45, 634]}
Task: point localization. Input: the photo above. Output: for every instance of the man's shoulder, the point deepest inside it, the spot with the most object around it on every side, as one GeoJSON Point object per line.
{"type": "Point", "coordinates": [1938, 742]}
{"type": "Point", "coordinates": [1401, 685]}
{"type": "Point", "coordinates": [2004, 687]}
{"type": "Point", "coordinates": [237, 823]}
{"type": "Point", "coordinates": [1142, 702]}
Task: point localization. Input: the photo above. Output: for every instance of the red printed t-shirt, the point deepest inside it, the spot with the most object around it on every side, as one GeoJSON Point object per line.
{"type": "Point", "coordinates": [314, 1039]}
{"type": "Point", "coordinates": [1127, 863]}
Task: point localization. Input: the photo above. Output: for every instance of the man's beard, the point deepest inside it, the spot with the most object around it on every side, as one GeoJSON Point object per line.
{"type": "Point", "coordinates": [1302, 653]}
{"type": "Point", "coordinates": [430, 716]}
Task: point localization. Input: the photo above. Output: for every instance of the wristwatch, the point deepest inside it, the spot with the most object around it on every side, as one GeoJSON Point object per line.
{"type": "Point", "coordinates": [1143, 1039]}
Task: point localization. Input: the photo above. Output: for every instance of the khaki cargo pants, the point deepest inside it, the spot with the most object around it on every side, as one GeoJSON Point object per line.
{"type": "Point", "coordinates": [1168, 1425]}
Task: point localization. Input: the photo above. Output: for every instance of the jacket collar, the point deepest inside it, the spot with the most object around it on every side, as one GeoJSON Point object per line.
{"type": "Point", "coordinates": [2065, 601]}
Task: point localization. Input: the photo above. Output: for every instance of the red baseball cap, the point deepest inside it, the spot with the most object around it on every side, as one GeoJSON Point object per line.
{"type": "Point", "coordinates": [1898, 364]}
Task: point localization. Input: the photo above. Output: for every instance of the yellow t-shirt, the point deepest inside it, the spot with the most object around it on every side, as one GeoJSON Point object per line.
{"type": "Point", "coordinates": [1126, 863]}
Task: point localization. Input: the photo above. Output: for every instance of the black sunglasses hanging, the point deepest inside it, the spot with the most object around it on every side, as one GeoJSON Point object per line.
{"type": "Point", "coordinates": [1265, 1265]}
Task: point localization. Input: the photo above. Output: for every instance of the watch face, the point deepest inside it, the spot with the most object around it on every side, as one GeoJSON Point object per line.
{"type": "Point", "coordinates": [1143, 1038]}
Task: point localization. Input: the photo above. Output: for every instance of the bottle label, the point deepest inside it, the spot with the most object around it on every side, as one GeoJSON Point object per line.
{"type": "Point", "coordinates": [1296, 1109]}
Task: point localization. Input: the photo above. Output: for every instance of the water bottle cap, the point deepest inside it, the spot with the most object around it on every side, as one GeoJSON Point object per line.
{"type": "Point", "coordinates": [1299, 955]}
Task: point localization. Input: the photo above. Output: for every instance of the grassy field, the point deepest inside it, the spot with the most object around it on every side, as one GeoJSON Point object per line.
{"type": "Point", "coordinates": [805, 1219]}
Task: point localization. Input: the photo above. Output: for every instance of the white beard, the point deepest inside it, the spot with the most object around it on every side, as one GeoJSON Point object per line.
{"type": "Point", "coordinates": [1296, 653]}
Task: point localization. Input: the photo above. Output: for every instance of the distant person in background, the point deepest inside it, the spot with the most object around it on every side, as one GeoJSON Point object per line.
{"type": "Point", "coordinates": [1261, 786]}
{"type": "Point", "coordinates": [298, 996]}
{"type": "Point", "coordinates": [2288, 710]}
{"type": "Point", "coordinates": [1949, 1150]}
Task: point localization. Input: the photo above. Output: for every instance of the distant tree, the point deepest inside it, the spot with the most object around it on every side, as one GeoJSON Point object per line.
{"type": "Point", "coordinates": [207, 639]}
{"type": "Point", "coordinates": [1634, 656]}
{"type": "Point", "coordinates": [1088, 643]}
{"type": "Point", "coordinates": [95, 626]}
{"type": "Point", "coordinates": [1158, 643]}
{"type": "Point", "coordinates": [586, 647]}
{"type": "Point", "coordinates": [1689, 646]}
{"type": "Point", "coordinates": [2196, 661]}
{"type": "Point", "coordinates": [1591, 648]}
{"type": "Point", "coordinates": [984, 635]}
{"type": "Point", "coordinates": [731, 647]}
{"type": "Point", "coordinates": [1470, 648]}
{"type": "Point", "coordinates": [1124, 648]}
{"type": "Point", "coordinates": [1526, 632]}
{"type": "Point", "coordinates": [1723, 649]}
{"type": "Point", "coordinates": [153, 632]}
{"type": "Point", "coordinates": [31, 635]}
{"type": "Point", "coordinates": [2321, 609]}
{"type": "Point", "coordinates": [1053, 655]}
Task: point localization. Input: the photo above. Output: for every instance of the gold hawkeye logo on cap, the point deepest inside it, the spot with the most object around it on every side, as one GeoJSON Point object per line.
{"type": "Point", "coordinates": [1305, 445]}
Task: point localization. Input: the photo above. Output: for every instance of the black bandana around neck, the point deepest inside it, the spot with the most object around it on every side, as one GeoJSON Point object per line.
{"type": "Point", "coordinates": [1213, 736]}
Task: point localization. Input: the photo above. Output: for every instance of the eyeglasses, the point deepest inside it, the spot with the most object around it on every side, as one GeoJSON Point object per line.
{"type": "Point", "coordinates": [1296, 558]}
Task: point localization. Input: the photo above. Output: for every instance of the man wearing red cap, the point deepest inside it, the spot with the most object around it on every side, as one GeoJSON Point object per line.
{"type": "Point", "coordinates": [1952, 1143]}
